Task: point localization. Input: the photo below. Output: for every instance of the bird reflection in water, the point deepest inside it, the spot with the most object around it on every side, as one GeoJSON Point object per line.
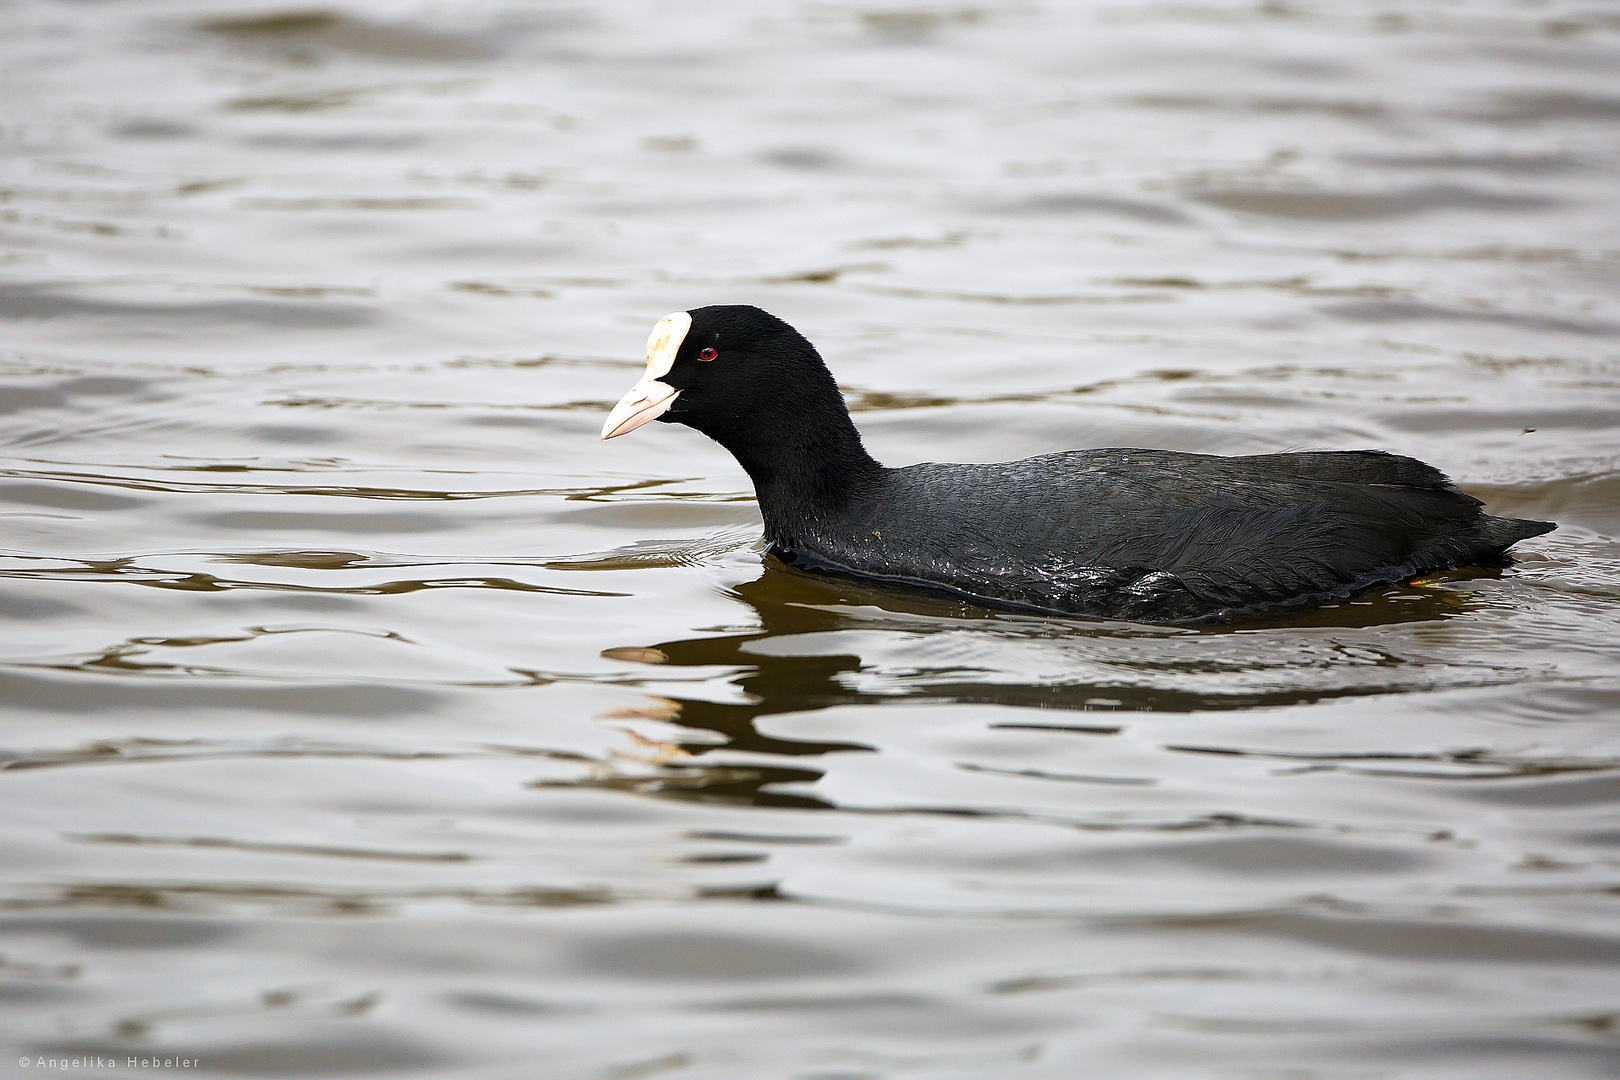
{"type": "Point", "coordinates": [789, 605]}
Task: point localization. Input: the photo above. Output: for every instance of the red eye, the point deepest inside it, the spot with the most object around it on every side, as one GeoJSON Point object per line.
{"type": "Point", "coordinates": [707, 354]}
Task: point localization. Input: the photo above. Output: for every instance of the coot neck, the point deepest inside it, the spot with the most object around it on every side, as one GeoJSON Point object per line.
{"type": "Point", "coordinates": [807, 463]}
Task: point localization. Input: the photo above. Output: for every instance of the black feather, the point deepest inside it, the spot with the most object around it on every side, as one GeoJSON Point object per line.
{"type": "Point", "coordinates": [1150, 535]}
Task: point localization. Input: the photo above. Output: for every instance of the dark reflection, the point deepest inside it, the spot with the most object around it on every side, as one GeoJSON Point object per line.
{"type": "Point", "coordinates": [153, 129]}
{"type": "Point", "coordinates": [744, 785]}
{"type": "Point", "coordinates": [787, 603]}
{"type": "Point", "coordinates": [1509, 163]}
{"type": "Point", "coordinates": [1471, 764]}
{"type": "Point", "coordinates": [188, 898]}
{"type": "Point", "coordinates": [1413, 602]}
{"type": "Point", "coordinates": [1380, 311]}
{"type": "Point", "coordinates": [1151, 213]}
{"type": "Point", "coordinates": [307, 36]}
{"type": "Point", "coordinates": [1306, 205]}
{"type": "Point", "coordinates": [502, 1005]}
{"type": "Point", "coordinates": [125, 932]}
{"type": "Point", "coordinates": [1532, 107]}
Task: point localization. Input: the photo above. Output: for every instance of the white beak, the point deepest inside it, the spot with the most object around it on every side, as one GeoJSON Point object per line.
{"type": "Point", "coordinates": [647, 400]}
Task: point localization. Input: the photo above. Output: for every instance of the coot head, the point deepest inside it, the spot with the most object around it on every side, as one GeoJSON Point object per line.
{"type": "Point", "coordinates": [732, 372]}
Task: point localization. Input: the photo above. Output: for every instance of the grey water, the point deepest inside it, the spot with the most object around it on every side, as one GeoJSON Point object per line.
{"type": "Point", "coordinates": [365, 715]}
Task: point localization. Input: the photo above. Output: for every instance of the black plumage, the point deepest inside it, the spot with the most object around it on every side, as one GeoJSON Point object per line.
{"type": "Point", "coordinates": [1146, 535]}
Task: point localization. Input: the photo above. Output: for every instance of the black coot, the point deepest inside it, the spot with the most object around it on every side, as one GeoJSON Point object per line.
{"type": "Point", "coordinates": [1145, 535]}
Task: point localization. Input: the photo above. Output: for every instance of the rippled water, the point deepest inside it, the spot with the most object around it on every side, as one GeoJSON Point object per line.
{"type": "Point", "coordinates": [364, 714]}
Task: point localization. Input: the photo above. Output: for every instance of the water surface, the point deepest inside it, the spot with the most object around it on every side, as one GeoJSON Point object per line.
{"type": "Point", "coordinates": [365, 715]}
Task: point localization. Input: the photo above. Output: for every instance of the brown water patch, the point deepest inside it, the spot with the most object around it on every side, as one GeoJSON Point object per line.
{"type": "Point", "coordinates": [488, 289]}
{"type": "Point", "coordinates": [709, 956]}
{"type": "Point", "coordinates": [916, 26]}
{"type": "Point", "coordinates": [1534, 107]}
{"type": "Point", "coordinates": [19, 398]}
{"type": "Point", "coordinates": [1260, 855]}
{"type": "Point", "coordinates": [127, 931]}
{"type": "Point", "coordinates": [1140, 210]}
{"type": "Point", "coordinates": [357, 141]}
{"type": "Point", "coordinates": [152, 128]}
{"type": "Point", "coordinates": [303, 34]}
{"type": "Point", "coordinates": [302, 101]}
{"type": "Point", "coordinates": [773, 839]}
{"type": "Point", "coordinates": [303, 560]}
{"type": "Point", "coordinates": [1473, 764]}
{"type": "Point", "coordinates": [502, 1005]}
{"type": "Point", "coordinates": [358, 202]}
{"type": "Point", "coordinates": [1300, 205]}
{"type": "Point", "coordinates": [826, 275]}
{"type": "Point", "coordinates": [1078, 729]}
{"type": "Point", "coordinates": [1419, 940]}
{"type": "Point", "coordinates": [945, 240]}
{"type": "Point", "coordinates": [65, 498]}
{"type": "Point", "coordinates": [1551, 793]}
{"type": "Point", "coordinates": [211, 896]}
{"type": "Point", "coordinates": [1343, 108]}
{"type": "Point", "coordinates": [1381, 311]}
{"type": "Point", "coordinates": [723, 784]}
{"type": "Point", "coordinates": [15, 606]}
{"type": "Point", "coordinates": [1504, 163]}
{"type": "Point", "coordinates": [805, 158]}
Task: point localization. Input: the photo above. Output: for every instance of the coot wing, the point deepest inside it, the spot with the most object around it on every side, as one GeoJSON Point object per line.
{"type": "Point", "coordinates": [1146, 533]}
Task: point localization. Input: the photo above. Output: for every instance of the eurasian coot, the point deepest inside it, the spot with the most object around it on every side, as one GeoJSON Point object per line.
{"type": "Point", "coordinates": [1145, 535]}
